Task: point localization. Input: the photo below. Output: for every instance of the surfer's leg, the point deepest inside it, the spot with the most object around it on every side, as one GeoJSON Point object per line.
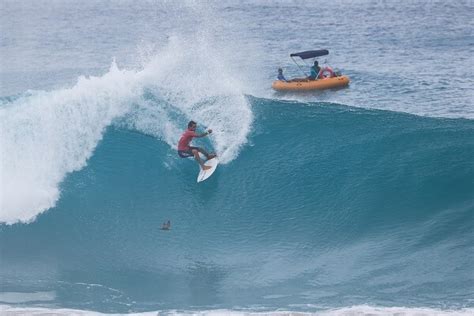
{"type": "Point", "coordinates": [199, 160]}
{"type": "Point", "coordinates": [205, 153]}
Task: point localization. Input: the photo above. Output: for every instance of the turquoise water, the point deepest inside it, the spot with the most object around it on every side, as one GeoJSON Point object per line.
{"type": "Point", "coordinates": [358, 200]}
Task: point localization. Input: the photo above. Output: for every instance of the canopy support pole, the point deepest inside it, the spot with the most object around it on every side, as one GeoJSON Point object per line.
{"type": "Point", "coordinates": [299, 67]}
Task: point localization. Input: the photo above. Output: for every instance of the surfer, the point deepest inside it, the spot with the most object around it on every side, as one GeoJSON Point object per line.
{"type": "Point", "coordinates": [185, 150]}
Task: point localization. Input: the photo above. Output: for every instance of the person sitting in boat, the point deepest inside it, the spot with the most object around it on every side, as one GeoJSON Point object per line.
{"type": "Point", "coordinates": [315, 69]}
{"type": "Point", "coordinates": [280, 75]}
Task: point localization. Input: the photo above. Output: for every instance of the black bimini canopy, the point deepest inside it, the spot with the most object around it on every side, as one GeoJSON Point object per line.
{"type": "Point", "coordinates": [311, 54]}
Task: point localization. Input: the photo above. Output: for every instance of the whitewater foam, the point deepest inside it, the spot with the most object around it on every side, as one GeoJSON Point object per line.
{"type": "Point", "coordinates": [360, 310]}
{"type": "Point", "coordinates": [207, 93]}
{"type": "Point", "coordinates": [46, 135]}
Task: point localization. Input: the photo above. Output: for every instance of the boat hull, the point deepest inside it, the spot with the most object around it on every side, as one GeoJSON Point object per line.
{"type": "Point", "coordinates": [320, 84]}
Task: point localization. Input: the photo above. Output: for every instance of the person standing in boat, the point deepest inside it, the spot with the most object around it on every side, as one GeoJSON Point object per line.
{"type": "Point", "coordinates": [315, 69]}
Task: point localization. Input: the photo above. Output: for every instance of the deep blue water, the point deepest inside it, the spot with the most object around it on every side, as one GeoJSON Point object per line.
{"type": "Point", "coordinates": [360, 197]}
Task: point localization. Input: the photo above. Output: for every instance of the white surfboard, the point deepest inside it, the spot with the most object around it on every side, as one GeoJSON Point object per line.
{"type": "Point", "coordinates": [204, 174]}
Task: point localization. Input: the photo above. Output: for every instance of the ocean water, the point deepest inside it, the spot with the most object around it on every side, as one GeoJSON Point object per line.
{"type": "Point", "coordinates": [357, 201]}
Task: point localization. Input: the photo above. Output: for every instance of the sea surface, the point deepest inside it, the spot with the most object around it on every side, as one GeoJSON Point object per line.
{"type": "Point", "coordinates": [355, 201]}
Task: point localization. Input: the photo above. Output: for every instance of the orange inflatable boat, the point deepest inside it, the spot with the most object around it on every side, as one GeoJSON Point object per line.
{"type": "Point", "coordinates": [320, 84]}
{"type": "Point", "coordinates": [326, 78]}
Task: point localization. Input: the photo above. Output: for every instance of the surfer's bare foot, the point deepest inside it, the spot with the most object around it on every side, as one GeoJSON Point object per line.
{"type": "Point", "coordinates": [206, 167]}
{"type": "Point", "coordinates": [210, 156]}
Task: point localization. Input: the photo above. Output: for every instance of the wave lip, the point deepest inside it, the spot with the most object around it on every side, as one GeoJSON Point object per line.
{"type": "Point", "coordinates": [45, 135]}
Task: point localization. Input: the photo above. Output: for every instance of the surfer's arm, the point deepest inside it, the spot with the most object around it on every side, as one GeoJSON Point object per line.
{"type": "Point", "coordinates": [204, 134]}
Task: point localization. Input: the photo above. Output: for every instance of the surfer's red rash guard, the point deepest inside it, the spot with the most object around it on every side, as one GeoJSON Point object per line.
{"type": "Point", "coordinates": [185, 139]}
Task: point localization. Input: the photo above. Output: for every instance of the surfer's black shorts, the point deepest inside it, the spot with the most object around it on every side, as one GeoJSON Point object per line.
{"type": "Point", "coordinates": [187, 153]}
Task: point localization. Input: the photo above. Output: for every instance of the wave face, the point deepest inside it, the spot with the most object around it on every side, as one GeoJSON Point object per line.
{"type": "Point", "coordinates": [323, 202]}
